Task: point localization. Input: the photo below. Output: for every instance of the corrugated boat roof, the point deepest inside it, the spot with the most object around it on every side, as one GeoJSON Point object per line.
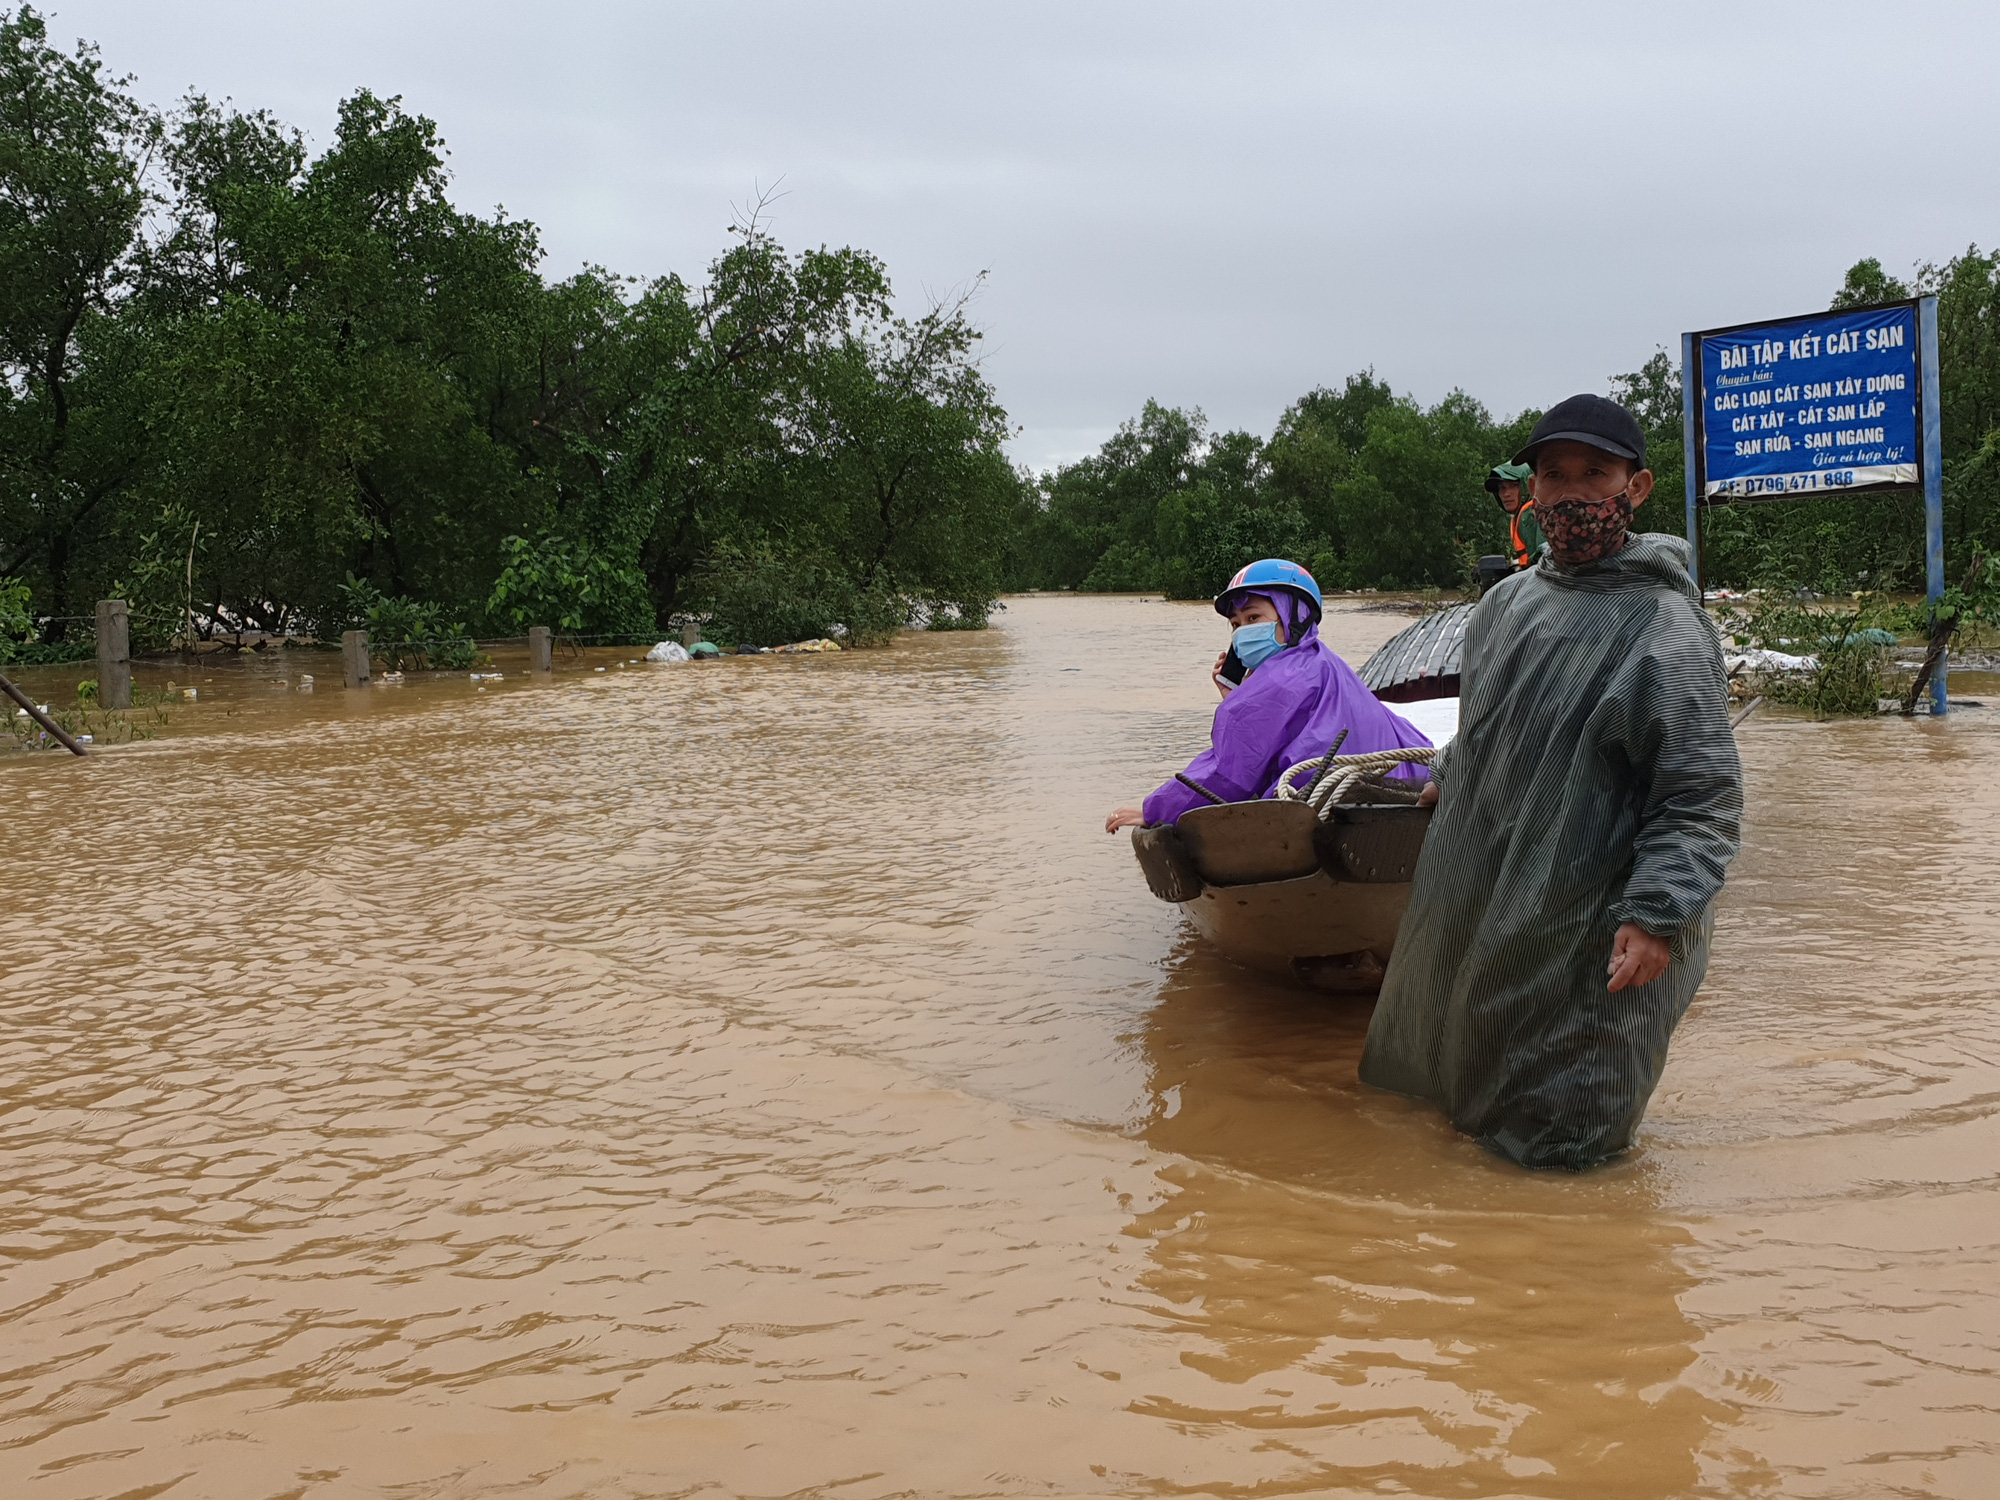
{"type": "Point", "coordinates": [1430, 648]}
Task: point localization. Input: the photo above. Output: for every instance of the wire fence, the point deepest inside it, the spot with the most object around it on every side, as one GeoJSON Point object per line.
{"type": "Point", "coordinates": [647, 638]}
{"type": "Point", "coordinates": [455, 650]}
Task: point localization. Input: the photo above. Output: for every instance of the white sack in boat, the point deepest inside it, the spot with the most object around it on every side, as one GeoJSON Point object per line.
{"type": "Point", "coordinates": [1436, 719]}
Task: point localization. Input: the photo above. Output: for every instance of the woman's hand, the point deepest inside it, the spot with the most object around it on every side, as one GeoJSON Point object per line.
{"type": "Point", "coordinates": [1428, 797]}
{"type": "Point", "coordinates": [1124, 817]}
{"type": "Point", "coordinates": [1222, 684]}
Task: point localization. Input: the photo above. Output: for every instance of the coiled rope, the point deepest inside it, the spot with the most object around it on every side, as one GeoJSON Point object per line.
{"type": "Point", "coordinates": [1343, 772]}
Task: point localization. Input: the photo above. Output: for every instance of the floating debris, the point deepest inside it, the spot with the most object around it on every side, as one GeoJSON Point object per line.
{"type": "Point", "coordinates": [1755, 660]}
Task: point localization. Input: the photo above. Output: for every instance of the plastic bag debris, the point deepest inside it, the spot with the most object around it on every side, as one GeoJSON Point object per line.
{"type": "Point", "coordinates": [704, 650]}
{"type": "Point", "coordinates": [819, 645]}
{"type": "Point", "coordinates": [668, 651]}
{"type": "Point", "coordinates": [1754, 660]}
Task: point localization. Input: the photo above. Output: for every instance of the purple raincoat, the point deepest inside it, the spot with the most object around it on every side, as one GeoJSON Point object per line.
{"type": "Point", "coordinates": [1286, 711]}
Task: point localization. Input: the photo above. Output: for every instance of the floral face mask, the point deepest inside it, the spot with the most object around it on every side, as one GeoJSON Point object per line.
{"type": "Point", "coordinates": [1582, 531]}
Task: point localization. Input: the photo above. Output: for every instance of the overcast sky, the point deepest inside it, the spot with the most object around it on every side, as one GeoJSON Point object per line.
{"type": "Point", "coordinates": [1216, 205]}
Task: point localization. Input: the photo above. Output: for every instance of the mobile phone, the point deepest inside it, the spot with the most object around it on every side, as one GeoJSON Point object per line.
{"type": "Point", "coordinates": [1232, 668]}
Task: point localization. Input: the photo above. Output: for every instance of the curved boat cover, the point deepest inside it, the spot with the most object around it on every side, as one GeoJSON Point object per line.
{"type": "Point", "coordinates": [1421, 661]}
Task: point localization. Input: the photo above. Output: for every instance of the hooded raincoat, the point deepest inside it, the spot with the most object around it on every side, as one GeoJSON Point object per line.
{"type": "Point", "coordinates": [1288, 710]}
{"type": "Point", "coordinates": [1594, 781]}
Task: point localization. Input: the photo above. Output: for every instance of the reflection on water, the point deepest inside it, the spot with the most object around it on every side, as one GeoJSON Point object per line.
{"type": "Point", "coordinates": [1347, 1272]}
{"type": "Point", "coordinates": [763, 1079]}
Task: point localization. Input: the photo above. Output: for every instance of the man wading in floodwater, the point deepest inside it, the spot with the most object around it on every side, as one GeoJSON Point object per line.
{"type": "Point", "coordinates": [1558, 923]}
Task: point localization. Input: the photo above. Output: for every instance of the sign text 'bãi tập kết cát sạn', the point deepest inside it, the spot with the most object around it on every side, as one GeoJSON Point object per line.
{"type": "Point", "coordinates": [1826, 402]}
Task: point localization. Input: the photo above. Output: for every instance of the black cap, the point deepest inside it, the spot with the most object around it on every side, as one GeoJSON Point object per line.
{"type": "Point", "coordinates": [1597, 421]}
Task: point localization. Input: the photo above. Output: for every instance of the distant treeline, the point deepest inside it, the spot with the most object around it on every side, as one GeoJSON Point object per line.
{"type": "Point", "coordinates": [1372, 489]}
{"type": "Point", "coordinates": [253, 388]}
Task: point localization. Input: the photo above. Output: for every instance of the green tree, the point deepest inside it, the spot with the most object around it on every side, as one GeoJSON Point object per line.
{"type": "Point", "coordinates": [74, 147]}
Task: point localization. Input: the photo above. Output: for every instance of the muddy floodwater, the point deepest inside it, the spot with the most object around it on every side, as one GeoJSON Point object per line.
{"type": "Point", "coordinates": [765, 1078]}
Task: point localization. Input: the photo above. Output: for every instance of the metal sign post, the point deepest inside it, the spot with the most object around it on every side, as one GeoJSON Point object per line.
{"type": "Point", "coordinates": [1690, 431]}
{"type": "Point", "coordinates": [1828, 403]}
{"type": "Point", "coordinates": [1927, 310]}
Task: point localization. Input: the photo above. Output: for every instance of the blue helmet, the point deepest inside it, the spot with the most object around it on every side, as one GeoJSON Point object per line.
{"type": "Point", "coordinates": [1273, 574]}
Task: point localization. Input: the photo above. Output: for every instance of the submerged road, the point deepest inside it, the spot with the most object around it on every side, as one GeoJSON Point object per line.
{"type": "Point", "coordinates": [765, 1078]}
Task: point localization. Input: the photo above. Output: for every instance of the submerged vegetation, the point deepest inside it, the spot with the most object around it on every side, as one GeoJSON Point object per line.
{"type": "Point", "coordinates": [247, 388]}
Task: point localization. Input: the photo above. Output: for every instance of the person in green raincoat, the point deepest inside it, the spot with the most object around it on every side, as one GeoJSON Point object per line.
{"type": "Point", "coordinates": [1559, 920]}
{"type": "Point", "coordinates": [1508, 483]}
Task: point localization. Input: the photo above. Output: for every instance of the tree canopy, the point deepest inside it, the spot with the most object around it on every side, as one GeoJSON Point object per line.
{"type": "Point", "coordinates": [253, 387]}
{"type": "Point", "coordinates": [247, 379]}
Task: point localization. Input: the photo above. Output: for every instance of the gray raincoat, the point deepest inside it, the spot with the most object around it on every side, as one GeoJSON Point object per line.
{"type": "Point", "coordinates": [1594, 781]}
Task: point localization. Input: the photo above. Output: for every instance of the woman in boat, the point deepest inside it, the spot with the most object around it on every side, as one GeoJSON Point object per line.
{"type": "Point", "coordinates": [1295, 698]}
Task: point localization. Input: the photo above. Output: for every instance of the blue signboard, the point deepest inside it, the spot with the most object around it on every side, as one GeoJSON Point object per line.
{"type": "Point", "coordinates": [1830, 402]}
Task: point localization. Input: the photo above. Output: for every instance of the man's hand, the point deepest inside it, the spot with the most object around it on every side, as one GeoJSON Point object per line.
{"type": "Point", "coordinates": [1637, 957]}
{"type": "Point", "coordinates": [1124, 817]}
{"type": "Point", "coordinates": [1428, 797]}
{"type": "Point", "coordinates": [1222, 684]}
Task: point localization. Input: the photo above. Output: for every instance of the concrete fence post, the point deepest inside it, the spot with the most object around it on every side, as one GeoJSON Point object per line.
{"type": "Point", "coordinates": [690, 635]}
{"type": "Point", "coordinates": [354, 657]}
{"type": "Point", "coordinates": [114, 654]}
{"type": "Point", "coordinates": [541, 649]}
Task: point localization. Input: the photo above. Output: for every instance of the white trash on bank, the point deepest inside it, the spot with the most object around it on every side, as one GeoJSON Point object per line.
{"type": "Point", "coordinates": [668, 651]}
{"type": "Point", "coordinates": [1752, 659]}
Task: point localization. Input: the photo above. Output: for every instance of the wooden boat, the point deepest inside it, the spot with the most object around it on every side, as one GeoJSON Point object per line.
{"type": "Point", "coordinates": [1276, 888]}
{"type": "Point", "coordinates": [1279, 887]}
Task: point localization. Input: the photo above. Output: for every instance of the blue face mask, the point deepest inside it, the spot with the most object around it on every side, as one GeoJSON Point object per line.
{"type": "Point", "coordinates": [1256, 644]}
